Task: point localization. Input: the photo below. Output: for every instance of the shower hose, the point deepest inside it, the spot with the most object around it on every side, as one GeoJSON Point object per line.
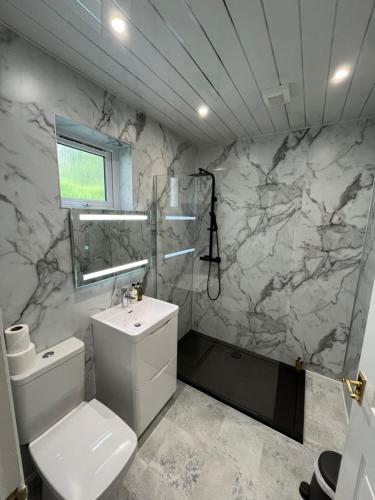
{"type": "Point", "coordinates": [218, 273]}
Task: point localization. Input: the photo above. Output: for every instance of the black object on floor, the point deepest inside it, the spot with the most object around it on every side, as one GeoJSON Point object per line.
{"type": "Point", "coordinates": [324, 480]}
{"type": "Point", "coordinates": [267, 390]}
{"type": "Point", "coordinates": [304, 490]}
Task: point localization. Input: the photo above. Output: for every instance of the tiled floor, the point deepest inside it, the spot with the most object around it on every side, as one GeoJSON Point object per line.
{"type": "Point", "coordinates": [199, 448]}
{"type": "Point", "coordinates": [202, 449]}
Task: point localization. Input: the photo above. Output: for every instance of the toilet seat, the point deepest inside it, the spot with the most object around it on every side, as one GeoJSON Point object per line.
{"type": "Point", "coordinates": [82, 455]}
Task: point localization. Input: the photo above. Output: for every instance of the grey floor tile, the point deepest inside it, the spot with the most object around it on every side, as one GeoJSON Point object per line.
{"type": "Point", "coordinates": [325, 417]}
{"type": "Point", "coordinates": [222, 479]}
{"type": "Point", "coordinates": [241, 439]}
{"type": "Point", "coordinates": [200, 415]}
{"type": "Point", "coordinates": [201, 449]}
{"type": "Point", "coordinates": [176, 455]}
{"type": "Point", "coordinates": [283, 466]}
{"type": "Point", "coordinates": [150, 486]}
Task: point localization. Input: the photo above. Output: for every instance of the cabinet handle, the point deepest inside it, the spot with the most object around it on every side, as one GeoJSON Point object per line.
{"type": "Point", "coordinates": [162, 326]}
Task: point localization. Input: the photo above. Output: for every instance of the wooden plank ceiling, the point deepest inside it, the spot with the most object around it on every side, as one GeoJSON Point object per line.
{"type": "Point", "coordinates": [177, 55]}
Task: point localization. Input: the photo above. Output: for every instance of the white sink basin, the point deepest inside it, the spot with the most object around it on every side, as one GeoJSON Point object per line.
{"type": "Point", "coordinates": [139, 319]}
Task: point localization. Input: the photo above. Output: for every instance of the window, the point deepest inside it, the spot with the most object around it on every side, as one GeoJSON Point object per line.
{"type": "Point", "coordinates": [85, 175]}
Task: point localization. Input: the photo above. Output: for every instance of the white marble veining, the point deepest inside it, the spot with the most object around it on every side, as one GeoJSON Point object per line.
{"type": "Point", "coordinates": [35, 256]}
{"type": "Point", "coordinates": [292, 213]}
{"type": "Point", "coordinates": [362, 302]}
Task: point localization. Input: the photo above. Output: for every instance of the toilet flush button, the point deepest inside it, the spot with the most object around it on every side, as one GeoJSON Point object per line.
{"type": "Point", "coordinates": [48, 354]}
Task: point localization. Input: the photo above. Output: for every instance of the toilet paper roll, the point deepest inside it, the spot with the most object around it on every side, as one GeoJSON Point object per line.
{"type": "Point", "coordinates": [17, 338]}
{"type": "Point", "coordinates": [21, 362]}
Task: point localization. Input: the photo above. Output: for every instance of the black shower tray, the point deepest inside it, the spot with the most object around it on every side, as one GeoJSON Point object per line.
{"type": "Point", "coordinates": [264, 389]}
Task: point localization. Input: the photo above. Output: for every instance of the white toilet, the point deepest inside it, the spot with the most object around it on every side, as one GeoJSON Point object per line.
{"type": "Point", "coordinates": [81, 450]}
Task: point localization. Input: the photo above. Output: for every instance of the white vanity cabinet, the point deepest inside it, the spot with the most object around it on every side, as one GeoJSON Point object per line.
{"type": "Point", "coordinates": [136, 359]}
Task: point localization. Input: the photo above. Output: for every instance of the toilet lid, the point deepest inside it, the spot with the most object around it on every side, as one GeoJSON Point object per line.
{"type": "Point", "coordinates": [81, 455]}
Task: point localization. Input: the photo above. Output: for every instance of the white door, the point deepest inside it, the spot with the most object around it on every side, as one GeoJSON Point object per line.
{"type": "Point", "coordinates": [11, 476]}
{"type": "Point", "coordinates": [357, 473]}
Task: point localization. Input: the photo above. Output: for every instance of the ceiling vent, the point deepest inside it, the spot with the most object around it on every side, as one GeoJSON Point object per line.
{"type": "Point", "coordinates": [275, 96]}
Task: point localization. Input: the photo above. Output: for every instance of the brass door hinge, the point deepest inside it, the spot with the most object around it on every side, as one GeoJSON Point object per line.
{"type": "Point", "coordinates": [18, 494]}
{"type": "Point", "coordinates": [356, 388]}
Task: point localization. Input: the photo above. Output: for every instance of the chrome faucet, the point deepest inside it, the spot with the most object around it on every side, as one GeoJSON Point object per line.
{"type": "Point", "coordinates": [125, 296]}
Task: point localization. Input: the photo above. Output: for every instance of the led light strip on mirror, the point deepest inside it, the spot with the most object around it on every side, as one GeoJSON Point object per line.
{"type": "Point", "coordinates": [111, 270]}
{"type": "Point", "coordinates": [112, 217]}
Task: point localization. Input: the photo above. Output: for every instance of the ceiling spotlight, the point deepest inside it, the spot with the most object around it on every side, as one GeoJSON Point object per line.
{"type": "Point", "coordinates": [203, 111]}
{"type": "Point", "coordinates": [118, 24]}
{"type": "Point", "coordinates": [340, 74]}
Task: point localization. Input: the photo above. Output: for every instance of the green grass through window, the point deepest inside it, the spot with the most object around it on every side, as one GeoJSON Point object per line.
{"type": "Point", "coordinates": [82, 174]}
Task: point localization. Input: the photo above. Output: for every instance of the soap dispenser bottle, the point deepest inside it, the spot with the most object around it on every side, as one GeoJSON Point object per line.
{"type": "Point", "coordinates": [139, 288]}
{"type": "Point", "coordinates": [133, 293]}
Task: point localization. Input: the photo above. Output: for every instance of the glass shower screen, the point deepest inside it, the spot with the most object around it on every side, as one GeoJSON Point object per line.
{"type": "Point", "coordinates": [175, 213]}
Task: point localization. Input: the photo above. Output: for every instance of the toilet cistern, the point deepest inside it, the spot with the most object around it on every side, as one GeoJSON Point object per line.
{"type": "Point", "coordinates": [65, 433]}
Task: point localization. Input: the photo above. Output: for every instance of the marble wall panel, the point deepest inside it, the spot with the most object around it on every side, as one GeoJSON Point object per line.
{"type": "Point", "coordinates": [292, 212]}
{"type": "Point", "coordinates": [335, 207]}
{"type": "Point", "coordinates": [362, 303]}
{"type": "Point", "coordinates": [35, 255]}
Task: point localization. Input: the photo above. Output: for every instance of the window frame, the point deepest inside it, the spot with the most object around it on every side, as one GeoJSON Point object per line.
{"type": "Point", "coordinates": [108, 175]}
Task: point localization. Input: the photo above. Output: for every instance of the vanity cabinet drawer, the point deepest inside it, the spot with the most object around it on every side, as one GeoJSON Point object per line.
{"type": "Point", "coordinates": [154, 352]}
{"type": "Point", "coordinates": [152, 397]}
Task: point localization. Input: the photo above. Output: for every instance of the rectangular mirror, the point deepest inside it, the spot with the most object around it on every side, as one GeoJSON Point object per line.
{"type": "Point", "coordinates": [106, 243]}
